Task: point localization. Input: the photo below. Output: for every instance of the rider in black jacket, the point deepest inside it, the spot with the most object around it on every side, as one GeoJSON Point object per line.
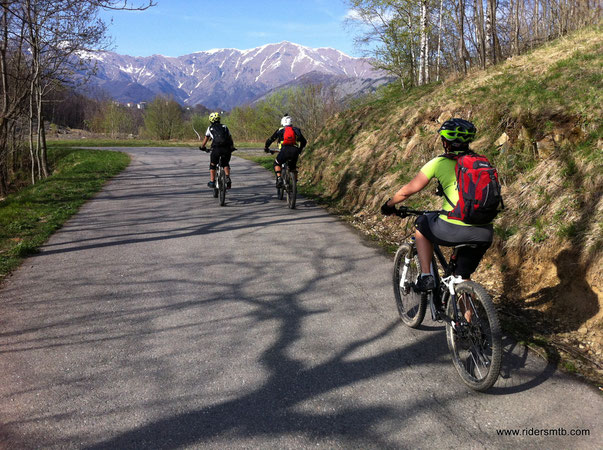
{"type": "Point", "coordinates": [221, 148]}
{"type": "Point", "coordinates": [289, 152]}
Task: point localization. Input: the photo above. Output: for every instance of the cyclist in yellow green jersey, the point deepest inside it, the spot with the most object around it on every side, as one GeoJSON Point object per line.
{"type": "Point", "coordinates": [438, 228]}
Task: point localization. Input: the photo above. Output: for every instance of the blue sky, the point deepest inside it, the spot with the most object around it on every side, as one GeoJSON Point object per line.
{"type": "Point", "coordinates": [180, 27]}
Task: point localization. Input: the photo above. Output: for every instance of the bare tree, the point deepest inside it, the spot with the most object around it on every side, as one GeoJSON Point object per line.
{"type": "Point", "coordinates": [41, 44]}
{"type": "Point", "coordinates": [463, 53]}
{"type": "Point", "coordinates": [394, 26]}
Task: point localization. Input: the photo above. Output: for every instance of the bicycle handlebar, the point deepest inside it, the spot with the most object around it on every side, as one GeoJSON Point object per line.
{"type": "Point", "coordinates": [404, 212]}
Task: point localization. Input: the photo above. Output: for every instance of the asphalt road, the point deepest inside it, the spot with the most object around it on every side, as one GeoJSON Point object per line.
{"type": "Point", "coordinates": [157, 319]}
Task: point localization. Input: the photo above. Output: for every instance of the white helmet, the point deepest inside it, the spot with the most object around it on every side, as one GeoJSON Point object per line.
{"type": "Point", "coordinates": [286, 121]}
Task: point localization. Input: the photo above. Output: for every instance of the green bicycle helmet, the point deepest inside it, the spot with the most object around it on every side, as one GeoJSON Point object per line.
{"type": "Point", "coordinates": [458, 132]}
{"type": "Point", "coordinates": [214, 117]}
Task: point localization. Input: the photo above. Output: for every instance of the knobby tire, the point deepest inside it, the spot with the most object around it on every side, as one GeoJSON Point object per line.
{"type": "Point", "coordinates": [475, 346]}
{"type": "Point", "coordinates": [291, 190]}
{"type": "Point", "coordinates": [280, 191]}
{"type": "Point", "coordinates": [411, 305]}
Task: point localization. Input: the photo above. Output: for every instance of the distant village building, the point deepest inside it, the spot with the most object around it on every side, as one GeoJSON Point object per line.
{"type": "Point", "coordinates": [142, 105]}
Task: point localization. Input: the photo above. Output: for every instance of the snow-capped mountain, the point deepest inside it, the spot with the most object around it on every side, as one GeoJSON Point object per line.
{"type": "Point", "coordinates": [220, 78]}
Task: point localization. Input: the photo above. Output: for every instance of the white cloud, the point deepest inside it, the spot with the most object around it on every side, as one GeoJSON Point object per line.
{"type": "Point", "coordinates": [352, 14]}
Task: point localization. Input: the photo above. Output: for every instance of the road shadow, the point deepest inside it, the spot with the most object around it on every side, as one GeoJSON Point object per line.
{"type": "Point", "coordinates": [251, 308]}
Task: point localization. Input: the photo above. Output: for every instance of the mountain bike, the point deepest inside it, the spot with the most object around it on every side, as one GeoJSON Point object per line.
{"type": "Point", "coordinates": [289, 184]}
{"type": "Point", "coordinates": [472, 327]}
{"type": "Point", "coordinates": [220, 189]}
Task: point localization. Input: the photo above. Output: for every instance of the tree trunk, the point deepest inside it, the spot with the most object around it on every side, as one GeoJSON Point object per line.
{"type": "Point", "coordinates": [462, 50]}
{"type": "Point", "coordinates": [427, 73]}
{"type": "Point", "coordinates": [423, 50]}
{"type": "Point", "coordinates": [516, 30]}
{"type": "Point", "coordinates": [42, 153]}
{"type": "Point", "coordinates": [413, 69]}
{"type": "Point", "coordinates": [492, 43]}
{"type": "Point", "coordinates": [439, 57]}
{"type": "Point", "coordinates": [479, 32]}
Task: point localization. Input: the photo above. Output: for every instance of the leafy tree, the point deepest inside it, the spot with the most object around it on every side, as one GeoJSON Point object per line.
{"type": "Point", "coordinates": [112, 119]}
{"type": "Point", "coordinates": [163, 118]}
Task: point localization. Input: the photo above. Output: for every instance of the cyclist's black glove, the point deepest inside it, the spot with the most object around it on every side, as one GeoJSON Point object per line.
{"type": "Point", "coordinates": [387, 210]}
{"type": "Point", "coordinates": [266, 149]}
{"type": "Point", "coordinates": [234, 149]}
{"type": "Point", "coordinates": [203, 148]}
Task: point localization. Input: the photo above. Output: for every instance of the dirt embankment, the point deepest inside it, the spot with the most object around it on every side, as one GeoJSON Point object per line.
{"type": "Point", "coordinates": [539, 121]}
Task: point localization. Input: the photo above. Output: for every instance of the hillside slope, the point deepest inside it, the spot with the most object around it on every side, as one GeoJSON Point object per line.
{"type": "Point", "coordinates": [539, 120]}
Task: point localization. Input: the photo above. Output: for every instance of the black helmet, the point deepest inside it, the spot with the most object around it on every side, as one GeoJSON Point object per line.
{"type": "Point", "coordinates": [459, 132]}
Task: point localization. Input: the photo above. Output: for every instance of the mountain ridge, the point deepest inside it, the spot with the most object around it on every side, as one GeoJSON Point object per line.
{"type": "Point", "coordinates": [219, 78]}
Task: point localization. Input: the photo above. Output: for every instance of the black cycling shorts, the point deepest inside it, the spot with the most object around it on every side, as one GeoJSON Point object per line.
{"type": "Point", "coordinates": [448, 234]}
{"type": "Point", "coordinates": [288, 154]}
{"type": "Point", "coordinates": [217, 153]}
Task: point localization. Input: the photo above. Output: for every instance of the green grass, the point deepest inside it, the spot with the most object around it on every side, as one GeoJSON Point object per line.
{"type": "Point", "coordinates": [265, 161]}
{"type": "Point", "coordinates": [30, 216]}
{"type": "Point", "coordinates": [138, 143]}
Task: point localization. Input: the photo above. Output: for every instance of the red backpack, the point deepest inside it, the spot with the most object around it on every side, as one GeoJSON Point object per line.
{"type": "Point", "coordinates": [479, 190]}
{"type": "Point", "coordinates": [289, 137]}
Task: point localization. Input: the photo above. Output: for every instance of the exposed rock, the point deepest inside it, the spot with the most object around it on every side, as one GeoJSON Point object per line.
{"type": "Point", "coordinates": [546, 147]}
{"type": "Point", "coordinates": [446, 115]}
{"type": "Point", "coordinates": [503, 142]}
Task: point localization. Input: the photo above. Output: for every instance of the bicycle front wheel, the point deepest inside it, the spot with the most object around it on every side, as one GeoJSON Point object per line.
{"type": "Point", "coordinates": [474, 336]}
{"type": "Point", "coordinates": [291, 190]}
{"type": "Point", "coordinates": [411, 305]}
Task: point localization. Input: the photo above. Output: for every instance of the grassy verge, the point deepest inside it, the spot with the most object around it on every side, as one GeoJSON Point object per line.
{"type": "Point", "coordinates": [138, 143]}
{"type": "Point", "coordinates": [30, 216]}
{"type": "Point", "coordinates": [263, 160]}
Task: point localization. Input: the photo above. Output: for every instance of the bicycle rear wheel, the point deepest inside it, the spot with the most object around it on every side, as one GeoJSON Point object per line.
{"type": "Point", "coordinates": [222, 187]}
{"type": "Point", "coordinates": [280, 191]}
{"type": "Point", "coordinates": [474, 341]}
{"type": "Point", "coordinates": [411, 305]}
{"type": "Point", "coordinates": [291, 190]}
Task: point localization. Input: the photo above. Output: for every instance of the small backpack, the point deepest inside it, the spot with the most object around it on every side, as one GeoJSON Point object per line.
{"type": "Point", "coordinates": [289, 137]}
{"type": "Point", "coordinates": [220, 136]}
{"type": "Point", "coordinates": [479, 190]}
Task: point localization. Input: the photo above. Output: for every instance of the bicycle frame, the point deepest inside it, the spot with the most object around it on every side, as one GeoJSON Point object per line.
{"type": "Point", "coordinates": [445, 285]}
